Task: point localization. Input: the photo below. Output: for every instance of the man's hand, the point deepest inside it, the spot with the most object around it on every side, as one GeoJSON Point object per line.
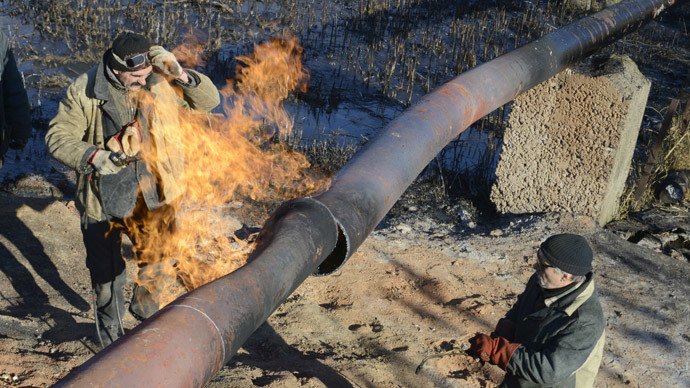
{"type": "Point", "coordinates": [166, 62]}
{"type": "Point", "coordinates": [104, 162]}
{"type": "Point", "coordinates": [127, 140]}
{"type": "Point", "coordinates": [497, 350]}
{"type": "Point", "coordinates": [131, 140]}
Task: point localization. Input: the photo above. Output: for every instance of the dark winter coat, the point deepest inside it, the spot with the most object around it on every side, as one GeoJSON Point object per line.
{"type": "Point", "coordinates": [562, 343]}
{"type": "Point", "coordinates": [15, 116]}
{"type": "Point", "coordinates": [89, 112]}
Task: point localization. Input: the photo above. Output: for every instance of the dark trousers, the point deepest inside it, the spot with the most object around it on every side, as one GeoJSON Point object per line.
{"type": "Point", "coordinates": [107, 270]}
{"type": "Point", "coordinates": [148, 230]}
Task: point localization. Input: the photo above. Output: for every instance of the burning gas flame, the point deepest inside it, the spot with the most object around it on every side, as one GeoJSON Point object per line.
{"type": "Point", "coordinates": [232, 164]}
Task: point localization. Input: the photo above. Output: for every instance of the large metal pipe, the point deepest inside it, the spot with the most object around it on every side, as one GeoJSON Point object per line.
{"type": "Point", "coordinates": [187, 342]}
{"type": "Point", "coordinates": [368, 186]}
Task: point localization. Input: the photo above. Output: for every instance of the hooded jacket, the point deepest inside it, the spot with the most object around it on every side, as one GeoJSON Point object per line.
{"type": "Point", "coordinates": [89, 114]}
{"type": "Point", "coordinates": [562, 343]}
{"type": "Point", "coordinates": [15, 115]}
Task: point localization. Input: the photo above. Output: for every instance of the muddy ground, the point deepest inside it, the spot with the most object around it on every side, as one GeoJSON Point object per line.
{"type": "Point", "coordinates": [417, 286]}
{"type": "Point", "coordinates": [423, 282]}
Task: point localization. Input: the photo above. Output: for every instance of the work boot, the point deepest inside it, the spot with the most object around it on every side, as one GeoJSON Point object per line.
{"type": "Point", "coordinates": [143, 304]}
{"type": "Point", "coordinates": [107, 334]}
{"type": "Point", "coordinates": [155, 284]}
{"type": "Point", "coordinates": [109, 307]}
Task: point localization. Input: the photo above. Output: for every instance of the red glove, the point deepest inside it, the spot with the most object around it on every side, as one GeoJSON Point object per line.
{"type": "Point", "coordinates": [497, 350]}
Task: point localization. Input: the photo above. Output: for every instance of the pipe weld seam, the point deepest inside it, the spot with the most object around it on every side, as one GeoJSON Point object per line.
{"type": "Point", "coordinates": [220, 334]}
{"type": "Point", "coordinates": [193, 297]}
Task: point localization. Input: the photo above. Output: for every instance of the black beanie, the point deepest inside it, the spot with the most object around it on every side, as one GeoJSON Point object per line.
{"type": "Point", "coordinates": [125, 45]}
{"type": "Point", "coordinates": [569, 252]}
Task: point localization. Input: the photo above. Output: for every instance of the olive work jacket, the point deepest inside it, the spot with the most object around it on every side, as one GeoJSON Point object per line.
{"type": "Point", "coordinates": [562, 343]}
{"type": "Point", "coordinates": [15, 115]}
{"type": "Point", "coordinates": [89, 114]}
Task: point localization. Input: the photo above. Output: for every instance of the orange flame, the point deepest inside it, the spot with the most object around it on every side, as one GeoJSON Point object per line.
{"type": "Point", "coordinates": [232, 167]}
{"type": "Point", "coordinates": [190, 52]}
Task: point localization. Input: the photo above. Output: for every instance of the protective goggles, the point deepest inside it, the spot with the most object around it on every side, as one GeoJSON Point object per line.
{"type": "Point", "coordinates": [134, 61]}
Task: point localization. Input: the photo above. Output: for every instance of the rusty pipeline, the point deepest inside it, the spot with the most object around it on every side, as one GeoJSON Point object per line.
{"type": "Point", "coordinates": [188, 341]}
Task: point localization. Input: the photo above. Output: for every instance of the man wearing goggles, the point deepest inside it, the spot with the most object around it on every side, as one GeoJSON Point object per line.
{"type": "Point", "coordinates": [554, 334]}
{"type": "Point", "coordinates": [126, 182]}
{"type": "Point", "coordinates": [134, 61]}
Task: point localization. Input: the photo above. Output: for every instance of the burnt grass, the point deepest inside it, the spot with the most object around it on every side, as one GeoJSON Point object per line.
{"type": "Point", "coordinates": [382, 55]}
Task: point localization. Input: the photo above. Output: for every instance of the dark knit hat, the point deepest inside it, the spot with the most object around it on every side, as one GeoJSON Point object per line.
{"type": "Point", "coordinates": [126, 45]}
{"type": "Point", "coordinates": [569, 252]}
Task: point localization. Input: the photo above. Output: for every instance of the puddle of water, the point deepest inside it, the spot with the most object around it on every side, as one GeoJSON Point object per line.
{"type": "Point", "coordinates": [343, 106]}
{"type": "Point", "coordinates": [352, 114]}
{"type": "Point", "coordinates": [350, 122]}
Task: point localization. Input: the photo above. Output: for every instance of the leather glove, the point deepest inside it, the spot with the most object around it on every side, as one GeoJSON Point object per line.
{"type": "Point", "coordinates": [128, 140]}
{"type": "Point", "coordinates": [497, 351]}
{"type": "Point", "coordinates": [165, 61]}
{"type": "Point", "coordinates": [104, 162]}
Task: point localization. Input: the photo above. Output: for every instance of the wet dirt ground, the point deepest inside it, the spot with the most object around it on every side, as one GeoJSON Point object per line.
{"type": "Point", "coordinates": [416, 287]}
{"type": "Point", "coordinates": [419, 285]}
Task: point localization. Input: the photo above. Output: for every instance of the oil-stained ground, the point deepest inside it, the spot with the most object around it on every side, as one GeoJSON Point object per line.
{"type": "Point", "coordinates": [417, 286]}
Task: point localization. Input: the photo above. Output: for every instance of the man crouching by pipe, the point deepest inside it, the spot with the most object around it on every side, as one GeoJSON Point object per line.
{"type": "Point", "coordinates": [554, 334]}
{"type": "Point", "coordinates": [130, 175]}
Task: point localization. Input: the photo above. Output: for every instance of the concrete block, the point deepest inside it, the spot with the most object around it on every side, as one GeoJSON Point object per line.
{"type": "Point", "coordinates": [589, 5]}
{"type": "Point", "coordinates": [570, 141]}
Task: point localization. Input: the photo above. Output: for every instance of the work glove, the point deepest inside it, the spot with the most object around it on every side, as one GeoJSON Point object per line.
{"type": "Point", "coordinates": [165, 61]}
{"type": "Point", "coordinates": [106, 162]}
{"type": "Point", "coordinates": [497, 351]}
{"type": "Point", "coordinates": [127, 140]}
